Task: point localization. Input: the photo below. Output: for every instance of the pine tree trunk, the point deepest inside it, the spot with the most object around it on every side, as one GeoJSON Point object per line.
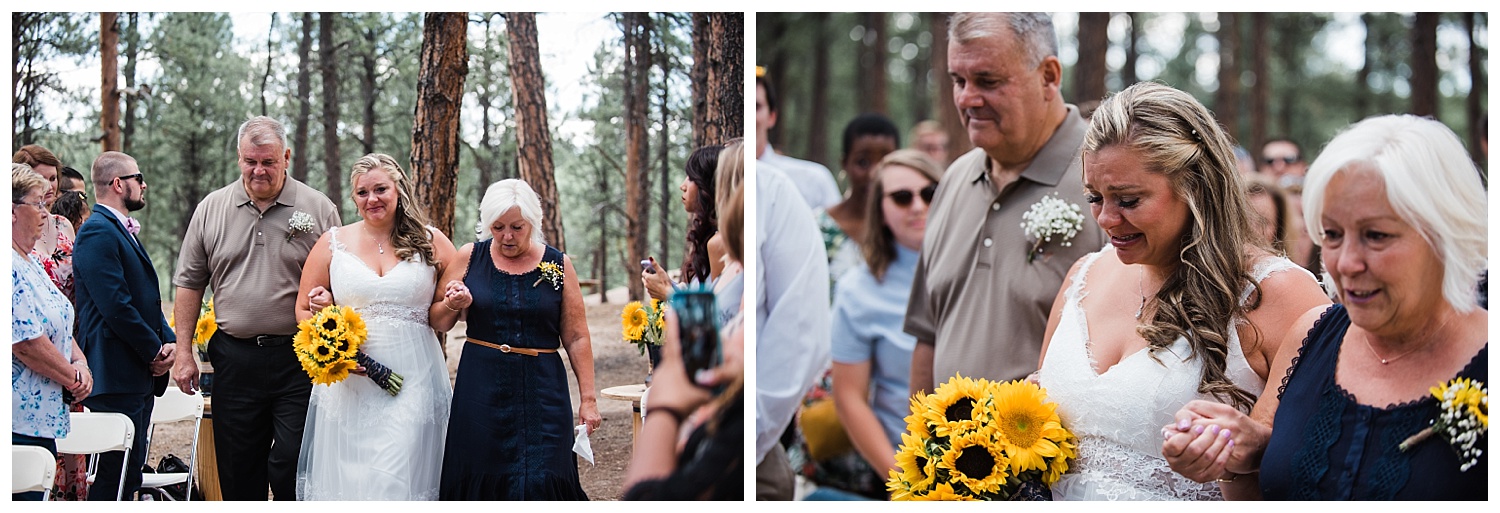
{"type": "Point", "coordinates": [1477, 84]}
{"type": "Point", "coordinates": [1227, 98]}
{"type": "Point", "coordinates": [132, 48]}
{"type": "Point", "coordinates": [722, 40]}
{"type": "Point", "coordinates": [534, 139]}
{"type": "Point", "coordinates": [367, 86]}
{"type": "Point", "coordinates": [303, 120]}
{"type": "Point", "coordinates": [1128, 75]}
{"type": "Point", "coordinates": [698, 76]}
{"type": "Point", "coordinates": [109, 90]}
{"type": "Point", "coordinates": [270, 58]}
{"type": "Point", "coordinates": [1260, 94]}
{"type": "Point", "coordinates": [637, 181]}
{"type": "Point", "coordinates": [443, 67]}
{"type": "Point", "coordinates": [327, 60]}
{"type": "Point", "coordinates": [664, 62]}
{"type": "Point", "coordinates": [1424, 71]}
{"type": "Point", "coordinates": [817, 118]}
{"type": "Point", "coordinates": [1093, 44]}
{"type": "Point", "coordinates": [948, 115]}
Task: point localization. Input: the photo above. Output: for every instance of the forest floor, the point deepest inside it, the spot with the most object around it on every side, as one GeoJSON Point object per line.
{"type": "Point", "coordinates": [615, 363]}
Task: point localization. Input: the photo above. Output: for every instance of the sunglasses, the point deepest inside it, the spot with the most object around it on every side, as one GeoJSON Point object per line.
{"type": "Point", "coordinates": [1284, 160]}
{"type": "Point", "coordinates": [903, 197]}
{"type": "Point", "coordinates": [137, 177]}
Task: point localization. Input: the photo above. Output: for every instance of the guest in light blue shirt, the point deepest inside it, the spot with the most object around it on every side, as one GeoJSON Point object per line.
{"type": "Point", "coordinates": [871, 353]}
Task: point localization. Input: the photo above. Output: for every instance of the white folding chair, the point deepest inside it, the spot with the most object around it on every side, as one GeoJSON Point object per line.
{"type": "Point", "coordinates": [99, 432]}
{"type": "Point", "coordinates": [175, 406]}
{"type": "Point", "coordinates": [32, 469]}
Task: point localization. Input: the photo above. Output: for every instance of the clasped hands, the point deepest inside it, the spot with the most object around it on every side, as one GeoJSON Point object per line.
{"type": "Point", "coordinates": [456, 296]}
{"type": "Point", "coordinates": [1213, 442]}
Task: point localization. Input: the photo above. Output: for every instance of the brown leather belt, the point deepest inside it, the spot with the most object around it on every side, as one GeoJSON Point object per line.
{"type": "Point", "coordinates": [506, 348]}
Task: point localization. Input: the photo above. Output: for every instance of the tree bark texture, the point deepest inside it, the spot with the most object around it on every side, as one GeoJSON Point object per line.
{"type": "Point", "coordinates": [637, 180]}
{"type": "Point", "coordinates": [1093, 44]}
{"type": "Point", "coordinates": [664, 62]}
{"type": "Point", "coordinates": [1260, 94]}
{"type": "Point", "coordinates": [303, 120]}
{"type": "Point", "coordinates": [327, 61]}
{"type": "Point", "coordinates": [1128, 75]}
{"type": "Point", "coordinates": [1424, 72]}
{"type": "Point", "coordinates": [443, 67]}
{"type": "Point", "coordinates": [109, 70]}
{"type": "Point", "coordinates": [132, 37]}
{"type": "Point", "coordinates": [534, 139]}
{"type": "Point", "coordinates": [723, 71]}
{"type": "Point", "coordinates": [1477, 84]}
{"type": "Point", "coordinates": [367, 86]}
{"type": "Point", "coordinates": [1227, 98]}
{"type": "Point", "coordinates": [948, 115]}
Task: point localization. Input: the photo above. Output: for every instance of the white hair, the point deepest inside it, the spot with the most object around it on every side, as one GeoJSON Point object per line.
{"type": "Point", "coordinates": [500, 198]}
{"type": "Point", "coordinates": [1430, 183]}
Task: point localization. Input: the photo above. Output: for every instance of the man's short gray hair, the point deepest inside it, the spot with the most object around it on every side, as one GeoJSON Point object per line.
{"type": "Point", "coordinates": [261, 130]}
{"type": "Point", "coordinates": [1033, 30]}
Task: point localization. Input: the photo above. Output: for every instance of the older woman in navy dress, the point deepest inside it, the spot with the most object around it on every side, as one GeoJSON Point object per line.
{"type": "Point", "coordinates": [510, 436]}
{"type": "Point", "coordinates": [1399, 211]}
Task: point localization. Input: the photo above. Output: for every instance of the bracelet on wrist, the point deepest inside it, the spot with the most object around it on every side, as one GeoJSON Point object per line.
{"type": "Point", "coordinates": [445, 305]}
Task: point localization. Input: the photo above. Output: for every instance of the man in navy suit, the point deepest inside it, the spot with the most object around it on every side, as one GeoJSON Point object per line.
{"type": "Point", "coordinates": [121, 326]}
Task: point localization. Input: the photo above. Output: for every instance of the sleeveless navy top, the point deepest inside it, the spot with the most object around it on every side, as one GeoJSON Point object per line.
{"type": "Point", "coordinates": [1327, 446]}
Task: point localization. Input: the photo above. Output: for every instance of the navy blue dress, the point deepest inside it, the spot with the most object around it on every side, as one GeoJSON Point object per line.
{"type": "Point", "coordinates": [1327, 446]}
{"type": "Point", "coordinates": [510, 436]}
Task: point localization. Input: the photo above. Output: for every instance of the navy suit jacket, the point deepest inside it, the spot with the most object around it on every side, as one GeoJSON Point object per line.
{"type": "Point", "coordinates": [121, 325]}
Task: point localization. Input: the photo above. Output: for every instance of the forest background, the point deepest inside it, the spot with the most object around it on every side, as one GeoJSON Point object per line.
{"type": "Point", "coordinates": [607, 159]}
{"type": "Point", "coordinates": [1264, 75]}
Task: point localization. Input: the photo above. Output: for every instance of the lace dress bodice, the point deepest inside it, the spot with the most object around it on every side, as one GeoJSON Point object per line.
{"type": "Point", "coordinates": [1118, 415]}
{"type": "Point", "coordinates": [402, 295]}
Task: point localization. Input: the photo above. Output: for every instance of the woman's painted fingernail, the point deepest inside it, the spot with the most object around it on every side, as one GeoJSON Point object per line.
{"type": "Point", "coordinates": [1198, 429]}
{"type": "Point", "coordinates": [1231, 443]}
{"type": "Point", "coordinates": [1227, 435]}
{"type": "Point", "coordinates": [1213, 429]}
{"type": "Point", "coordinates": [1183, 424]}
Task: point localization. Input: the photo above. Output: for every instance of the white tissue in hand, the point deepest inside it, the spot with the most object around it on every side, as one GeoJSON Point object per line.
{"type": "Point", "coordinates": [581, 443]}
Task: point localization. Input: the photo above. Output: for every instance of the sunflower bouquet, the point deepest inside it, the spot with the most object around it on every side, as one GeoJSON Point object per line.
{"type": "Point", "coordinates": [643, 325]}
{"type": "Point", "coordinates": [327, 345]}
{"type": "Point", "coordinates": [979, 440]}
{"type": "Point", "coordinates": [207, 325]}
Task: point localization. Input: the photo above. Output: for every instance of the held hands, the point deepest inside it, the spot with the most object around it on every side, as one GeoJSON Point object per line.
{"type": "Point", "coordinates": [456, 296]}
{"type": "Point", "coordinates": [1211, 439]}
{"type": "Point", "coordinates": [318, 298]}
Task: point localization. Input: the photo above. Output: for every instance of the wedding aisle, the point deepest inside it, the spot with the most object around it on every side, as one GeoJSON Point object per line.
{"type": "Point", "coordinates": [615, 363]}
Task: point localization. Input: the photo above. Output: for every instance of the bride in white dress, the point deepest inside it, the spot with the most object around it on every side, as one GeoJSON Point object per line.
{"type": "Point", "coordinates": [361, 443]}
{"type": "Point", "coordinates": [1186, 302]}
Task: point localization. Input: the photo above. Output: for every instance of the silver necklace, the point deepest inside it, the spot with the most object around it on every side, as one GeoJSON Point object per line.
{"type": "Point", "coordinates": [379, 246]}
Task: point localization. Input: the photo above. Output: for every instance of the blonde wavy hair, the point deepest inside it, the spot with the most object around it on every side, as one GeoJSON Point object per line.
{"type": "Point", "coordinates": [410, 236]}
{"type": "Point", "coordinates": [1176, 136]}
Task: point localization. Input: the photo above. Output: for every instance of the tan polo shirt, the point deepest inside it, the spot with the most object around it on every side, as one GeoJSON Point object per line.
{"type": "Point", "coordinates": [974, 294]}
{"type": "Point", "coordinates": [252, 260]}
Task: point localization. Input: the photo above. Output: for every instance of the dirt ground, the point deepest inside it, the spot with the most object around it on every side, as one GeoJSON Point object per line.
{"type": "Point", "coordinates": [615, 363]}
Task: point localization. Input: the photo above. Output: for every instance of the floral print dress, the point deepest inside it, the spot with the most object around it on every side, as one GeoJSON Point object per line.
{"type": "Point", "coordinates": [72, 469]}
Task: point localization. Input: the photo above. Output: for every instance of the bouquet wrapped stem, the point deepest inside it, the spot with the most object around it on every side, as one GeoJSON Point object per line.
{"type": "Point", "coordinates": [379, 373]}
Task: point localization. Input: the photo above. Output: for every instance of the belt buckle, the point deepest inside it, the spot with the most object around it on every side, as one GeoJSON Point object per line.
{"type": "Point", "coordinates": [505, 348]}
{"type": "Point", "coordinates": [265, 340]}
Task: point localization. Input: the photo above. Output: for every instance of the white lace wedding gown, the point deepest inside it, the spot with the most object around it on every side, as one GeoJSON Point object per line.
{"type": "Point", "coordinates": [360, 443]}
{"type": "Point", "coordinates": [1118, 415]}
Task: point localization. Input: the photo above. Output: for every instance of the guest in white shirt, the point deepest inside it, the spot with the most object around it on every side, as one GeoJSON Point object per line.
{"type": "Point", "coordinates": [792, 322]}
{"type": "Point", "coordinates": [813, 180]}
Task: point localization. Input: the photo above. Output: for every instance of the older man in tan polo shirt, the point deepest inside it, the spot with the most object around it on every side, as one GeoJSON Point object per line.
{"type": "Point", "coordinates": [978, 304]}
{"type": "Point", "coordinates": [248, 241]}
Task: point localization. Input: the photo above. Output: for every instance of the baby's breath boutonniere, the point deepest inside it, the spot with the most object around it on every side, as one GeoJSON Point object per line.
{"type": "Point", "coordinates": [1463, 419]}
{"type": "Point", "coordinates": [550, 272]}
{"type": "Point", "coordinates": [300, 223]}
{"type": "Point", "coordinates": [1051, 217]}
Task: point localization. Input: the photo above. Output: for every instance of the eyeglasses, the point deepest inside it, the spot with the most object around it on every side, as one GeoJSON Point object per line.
{"type": "Point", "coordinates": [40, 205]}
{"type": "Point", "coordinates": [903, 197]}
{"type": "Point", "coordinates": [1270, 161]}
{"type": "Point", "coordinates": [137, 177]}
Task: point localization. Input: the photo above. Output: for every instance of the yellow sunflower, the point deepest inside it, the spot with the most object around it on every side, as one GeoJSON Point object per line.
{"type": "Point", "coordinates": [661, 316]}
{"type": "Point", "coordinates": [1056, 467]}
{"type": "Point", "coordinates": [207, 325]}
{"type": "Point", "coordinates": [633, 320]}
{"type": "Point", "coordinates": [976, 461]}
{"type": "Point", "coordinates": [1467, 394]}
{"type": "Point", "coordinates": [917, 467]}
{"type": "Point", "coordinates": [959, 406]}
{"type": "Point", "coordinates": [354, 325]}
{"type": "Point", "coordinates": [945, 492]}
{"type": "Point", "coordinates": [334, 373]}
{"type": "Point", "coordinates": [1029, 425]}
{"type": "Point", "coordinates": [916, 423]}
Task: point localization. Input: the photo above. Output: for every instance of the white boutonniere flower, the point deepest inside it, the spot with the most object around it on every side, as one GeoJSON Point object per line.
{"type": "Point", "coordinates": [1048, 218]}
{"type": "Point", "coordinates": [300, 223]}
